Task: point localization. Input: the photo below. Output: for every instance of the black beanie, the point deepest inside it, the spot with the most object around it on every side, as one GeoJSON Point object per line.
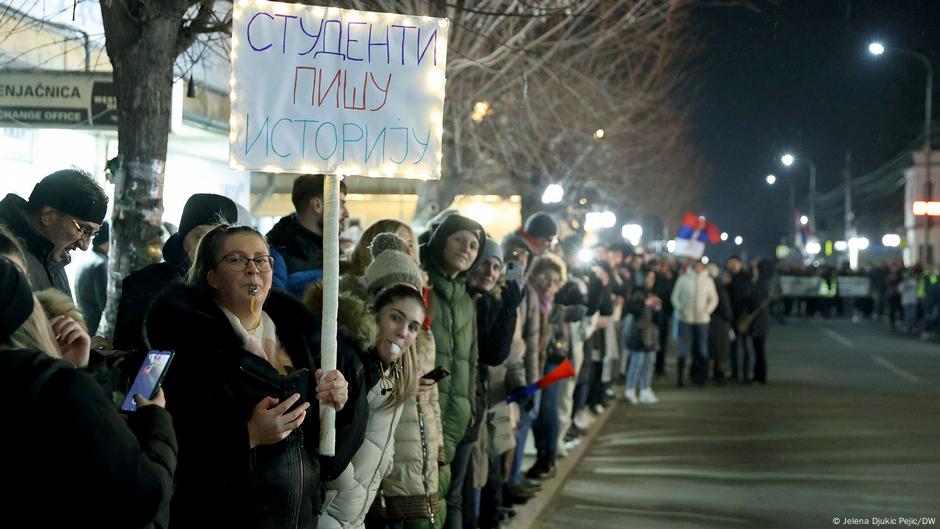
{"type": "Point", "coordinates": [16, 298]}
{"type": "Point", "coordinates": [206, 208]}
{"type": "Point", "coordinates": [541, 225]}
{"type": "Point", "coordinates": [451, 225]}
{"type": "Point", "coordinates": [71, 191]}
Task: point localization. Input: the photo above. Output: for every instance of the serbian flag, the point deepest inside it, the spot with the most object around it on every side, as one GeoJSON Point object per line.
{"type": "Point", "coordinates": [694, 234]}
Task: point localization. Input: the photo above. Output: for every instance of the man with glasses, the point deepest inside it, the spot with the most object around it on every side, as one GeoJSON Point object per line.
{"type": "Point", "coordinates": [63, 213]}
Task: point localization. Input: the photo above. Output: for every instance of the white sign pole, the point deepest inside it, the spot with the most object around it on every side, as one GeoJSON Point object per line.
{"type": "Point", "coordinates": [330, 304]}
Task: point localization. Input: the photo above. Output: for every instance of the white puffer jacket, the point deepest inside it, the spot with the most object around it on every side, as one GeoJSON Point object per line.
{"type": "Point", "coordinates": [349, 496]}
{"type": "Point", "coordinates": [694, 297]}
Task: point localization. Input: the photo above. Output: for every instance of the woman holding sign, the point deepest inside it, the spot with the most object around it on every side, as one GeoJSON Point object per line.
{"type": "Point", "coordinates": [239, 392]}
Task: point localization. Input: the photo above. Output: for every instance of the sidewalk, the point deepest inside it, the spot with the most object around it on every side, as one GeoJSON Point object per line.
{"type": "Point", "coordinates": [526, 514]}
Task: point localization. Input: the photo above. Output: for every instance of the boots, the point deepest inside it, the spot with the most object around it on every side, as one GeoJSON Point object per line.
{"type": "Point", "coordinates": [681, 372]}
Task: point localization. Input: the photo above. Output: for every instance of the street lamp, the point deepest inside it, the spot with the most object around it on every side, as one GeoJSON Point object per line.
{"type": "Point", "coordinates": [804, 220]}
{"type": "Point", "coordinates": [598, 134]}
{"type": "Point", "coordinates": [813, 248]}
{"type": "Point", "coordinates": [724, 236]}
{"type": "Point", "coordinates": [891, 240]}
{"type": "Point", "coordinates": [738, 240]}
{"type": "Point", "coordinates": [877, 49]}
{"type": "Point", "coordinates": [789, 160]}
{"type": "Point", "coordinates": [771, 179]}
{"type": "Point", "coordinates": [553, 194]}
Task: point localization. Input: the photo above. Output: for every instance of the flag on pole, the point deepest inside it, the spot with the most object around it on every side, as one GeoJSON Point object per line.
{"type": "Point", "coordinates": [694, 233]}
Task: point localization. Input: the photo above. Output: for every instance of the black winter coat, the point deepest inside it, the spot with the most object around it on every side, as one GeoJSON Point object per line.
{"type": "Point", "coordinates": [70, 459]}
{"type": "Point", "coordinates": [43, 272]}
{"type": "Point", "coordinates": [222, 482]}
{"type": "Point", "coordinates": [138, 292]}
{"type": "Point", "coordinates": [91, 290]}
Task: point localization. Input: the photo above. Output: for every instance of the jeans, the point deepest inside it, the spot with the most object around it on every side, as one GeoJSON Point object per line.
{"type": "Point", "coordinates": [458, 472]}
{"type": "Point", "coordinates": [522, 433]}
{"type": "Point", "coordinates": [640, 372]}
{"type": "Point", "coordinates": [695, 334]}
{"type": "Point", "coordinates": [741, 365]}
{"type": "Point", "coordinates": [546, 424]}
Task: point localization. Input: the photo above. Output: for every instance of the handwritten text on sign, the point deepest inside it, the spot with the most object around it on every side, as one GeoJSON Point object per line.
{"type": "Point", "coordinates": [330, 90]}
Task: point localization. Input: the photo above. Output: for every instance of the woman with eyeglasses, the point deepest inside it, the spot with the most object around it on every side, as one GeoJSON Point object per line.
{"type": "Point", "coordinates": [248, 444]}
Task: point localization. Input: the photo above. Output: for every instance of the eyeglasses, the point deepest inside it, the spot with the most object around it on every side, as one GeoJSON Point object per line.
{"type": "Point", "coordinates": [239, 263]}
{"type": "Point", "coordinates": [87, 233]}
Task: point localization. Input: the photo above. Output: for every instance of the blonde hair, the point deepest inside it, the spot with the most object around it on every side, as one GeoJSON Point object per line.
{"type": "Point", "coordinates": [549, 262]}
{"type": "Point", "coordinates": [56, 303]}
{"type": "Point", "coordinates": [361, 257]}
{"type": "Point", "coordinates": [34, 334]}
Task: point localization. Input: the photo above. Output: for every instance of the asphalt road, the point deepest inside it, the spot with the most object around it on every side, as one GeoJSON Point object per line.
{"type": "Point", "coordinates": [847, 427]}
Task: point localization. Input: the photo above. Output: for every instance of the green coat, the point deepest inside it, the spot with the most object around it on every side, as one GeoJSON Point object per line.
{"type": "Point", "coordinates": [454, 325]}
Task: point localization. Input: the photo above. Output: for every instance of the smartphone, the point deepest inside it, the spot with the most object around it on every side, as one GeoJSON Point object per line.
{"type": "Point", "coordinates": [148, 379]}
{"type": "Point", "coordinates": [437, 374]}
{"type": "Point", "coordinates": [297, 381]}
{"type": "Point", "coordinates": [514, 271]}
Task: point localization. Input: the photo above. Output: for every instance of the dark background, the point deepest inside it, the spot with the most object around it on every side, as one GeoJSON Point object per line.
{"type": "Point", "coordinates": [797, 76]}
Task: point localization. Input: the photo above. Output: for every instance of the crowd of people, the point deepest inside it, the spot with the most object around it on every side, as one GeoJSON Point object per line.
{"type": "Point", "coordinates": [437, 332]}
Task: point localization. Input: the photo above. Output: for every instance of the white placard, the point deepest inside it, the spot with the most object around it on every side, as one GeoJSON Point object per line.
{"type": "Point", "coordinates": [339, 91]}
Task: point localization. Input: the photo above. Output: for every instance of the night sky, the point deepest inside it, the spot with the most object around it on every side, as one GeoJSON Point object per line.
{"type": "Point", "coordinates": [797, 76]}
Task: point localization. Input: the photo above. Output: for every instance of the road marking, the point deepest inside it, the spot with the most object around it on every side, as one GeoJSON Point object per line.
{"type": "Point", "coordinates": [836, 336]}
{"type": "Point", "coordinates": [671, 513]}
{"type": "Point", "coordinates": [751, 475]}
{"type": "Point", "coordinates": [895, 369]}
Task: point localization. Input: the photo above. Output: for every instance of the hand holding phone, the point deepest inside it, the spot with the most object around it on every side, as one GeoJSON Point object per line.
{"type": "Point", "coordinates": [148, 380]}
{"type": "Point", "coordinates": [437, 374]}
{"type": "Point", "coordinates": [514, 271]}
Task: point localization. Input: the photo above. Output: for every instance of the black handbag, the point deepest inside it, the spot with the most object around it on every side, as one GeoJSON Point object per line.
{"type": "Point", "coordinates": [258, 379]}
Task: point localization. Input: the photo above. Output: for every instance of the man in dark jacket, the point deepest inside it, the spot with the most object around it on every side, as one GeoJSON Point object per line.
{"type": "Point", "coordinates": [141, 287]}
{"type": "Point", "coordinates": [64, 212]}
{"type": "Point", "coordinates": [719, 328]}
{"type": "Point", "coordinates": [739, 290]}
{"type": "Point", "coordinates": [297, 239]}
{"type": "Point", "coordinates": [91, 285]}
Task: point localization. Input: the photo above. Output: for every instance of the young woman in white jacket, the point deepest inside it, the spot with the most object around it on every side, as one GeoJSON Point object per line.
{"type": "Point", "coordinates": [383, 329]}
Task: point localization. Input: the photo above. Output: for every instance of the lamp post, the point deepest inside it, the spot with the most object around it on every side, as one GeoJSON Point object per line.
{"type": "Point", "coordinates": [772, 180]}
{"type": "Point", "coordinates": [788, 160]}
{"type": "Point", "coordinates": [877, 49]}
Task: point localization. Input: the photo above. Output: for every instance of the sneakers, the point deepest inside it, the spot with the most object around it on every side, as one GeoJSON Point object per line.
{"type": "Point", "coordinates": [648, 397]}
{"type": "Point", "coordinates": [630, 395]}
{"type": "Point", "coordinates": [570, 445]}
{"type": "Point", "coordinates": [597, 409]}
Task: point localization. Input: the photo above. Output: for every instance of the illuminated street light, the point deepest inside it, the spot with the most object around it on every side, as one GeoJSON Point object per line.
{"type": "Point", "coordinates": [632, 233]}
{"type": "Point", "coordinates": [724, 236]}
{"type": "Point", "coordinates": [787, 159]}
{"type": "Point", "coordinates": [480, 110]}
{"type": "Point", "coordinates": [876, 48]}
{"type": "Point", "coordinates": [598, 134]}
{"type": "Point", "coordinates": [841, 246]}
{"type": "Point", "coordinates": [739, 240]}
{"type": "Point", "coordinates": [771, 179]}
{"type": "Point", "coordinates": [804, 220]}
{"type": "Point", "coordinates": [813, 247]}
{"type": "Point", "coordinates": [891, 240]}
{"type": "Point", "coordinates": [553, 194]}
{"type": "Point", "coordinates": [858, 243]}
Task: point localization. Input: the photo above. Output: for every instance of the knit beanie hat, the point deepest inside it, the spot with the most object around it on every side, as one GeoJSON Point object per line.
{"type": "Point", "coordinates": [540, 225]}
{"type": "Point", "coordinates": [16, 298]}
{"type": "Point", "coordinates": [490, 249]}
{"type": "Point", "coordinates": [71, 191]}
{"type": "Point", "coordinates": [515, 239]}
{"type": "Point", "coordinates": [207, 208]}
{"type": "Point", "coordinates": [451, 225]}
{"type": "Point", "coordinates": [391, 265]}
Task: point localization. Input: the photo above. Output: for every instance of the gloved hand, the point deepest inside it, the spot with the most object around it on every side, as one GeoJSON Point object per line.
{"type": "Point", "coordinates": [512, 294]}
{"type": "Point", "coordinates": [525, 402]}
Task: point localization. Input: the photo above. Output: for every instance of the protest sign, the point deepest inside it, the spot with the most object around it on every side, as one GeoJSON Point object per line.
{"type": "Point", "coordinates": [339, 91]}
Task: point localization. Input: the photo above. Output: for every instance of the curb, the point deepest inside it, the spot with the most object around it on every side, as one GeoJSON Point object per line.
{"type": "Point", "coordinates": [527, 514]}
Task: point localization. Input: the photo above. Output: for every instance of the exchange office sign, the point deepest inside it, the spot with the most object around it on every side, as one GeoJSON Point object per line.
{"type": "Point", "coordinates": [70, 100]}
